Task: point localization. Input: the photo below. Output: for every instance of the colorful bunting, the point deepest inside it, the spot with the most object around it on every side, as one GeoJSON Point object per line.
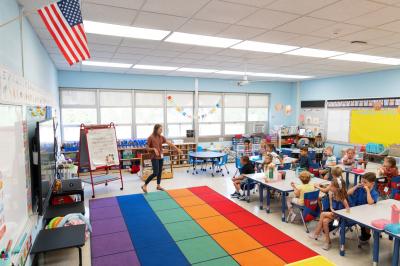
{"type": "Point", "coordinates": [180, 109]}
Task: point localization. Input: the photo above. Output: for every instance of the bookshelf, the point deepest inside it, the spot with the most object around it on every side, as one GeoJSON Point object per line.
{"type": "Point", "coordinates": [182, 160]}
{"type": "Point", "coordinates": [146, 168]}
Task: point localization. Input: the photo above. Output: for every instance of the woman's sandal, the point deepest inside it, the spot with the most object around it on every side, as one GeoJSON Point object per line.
{"type": "Point", "coordinates": [160, 188]}
{"type": "Point", "coordinates": [144, 189]}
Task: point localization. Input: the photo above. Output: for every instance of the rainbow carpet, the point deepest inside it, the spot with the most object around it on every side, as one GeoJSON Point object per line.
{"type": "Point", "coordinates": [185, 227]}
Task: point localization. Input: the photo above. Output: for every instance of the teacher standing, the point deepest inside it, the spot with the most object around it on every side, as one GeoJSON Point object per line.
{"type": "Point", "coordinates": [154, 145]}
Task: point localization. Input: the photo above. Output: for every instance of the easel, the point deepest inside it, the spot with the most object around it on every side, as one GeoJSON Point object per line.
{"type": "Point", "coordinates": [85, 160]}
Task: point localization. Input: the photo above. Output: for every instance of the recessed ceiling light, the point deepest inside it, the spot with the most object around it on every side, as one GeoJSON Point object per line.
{"type": "Point", "coordinates": [367, 59]}
{"type": "Point", "coordinates": [202, 40]}
{"type": "Point", "coordinates": [124, 31]}
{"type": "Point", "coordinates": [152, 67]}
{"type": "Point", "coordinates": [106, 64]}
{"type": "Point", "coordinates": [263, 47]}
{"type": "Point", "coordinates": [196, 70]}
{"type": "Point", "coordinates": [314, 52]}
{"type": "Point", "coordinates": [230, 72]}
{"type": "Point", "coordinates": [275, 75]}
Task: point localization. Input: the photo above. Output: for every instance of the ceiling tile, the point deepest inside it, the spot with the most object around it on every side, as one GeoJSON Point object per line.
{"type": "Point", "coordinates": [127, 57]}
{"type": "Point", "coordinates": [178, 60]}
{"type": "Point", "coordinates": [267, 19]}
{"type": "Point", "coordinates": [383, 51]}
{"type": "Point", "coordinates": [131, 4]}
{"type": "Point", "coordinates": [158, 21]}
{"type": "Point", "coordinates": [366, 35]}
{"type": "Point", "coordinates": [204, 27]}
{"type": "Point", "coordinates": [257, 3]}
{"type": "Point", "coordinates": [108, 14]}
{"type": "Point", "coordinates": [304, 40]}
{"type": "Point", "coordinates": [337, 30]}
{"type": "Point", "coordinates": [299, 7]}
{"type": "Point", "coordinates": [233, 52]}
{"type": "Point", "coordinates": [103, 39]}
{"type": "Point", "coordinates": [126, 60]}
{"type": "Point", "coordinates": [240, 32]}
{"type": "Point", "coordinates": [392, 26]}
{"type": "Point", "coordinates": [184, 8]}
{"type": "Point", "coordinates": [376, 18]}
{"type": "Point", "coordinates": [167, 53]}
{"type": "Point", "coordinates": [224, 12]}
{"type": "Point", "coordinates": [341, 46]}
{"type": "Point", "coordinates": [101, 54]}
{"type": "Point", "coordinates": [389, 2]}
{"type": "Point", "coordinates": [174, 47]}
{"type": "Point", "coordinates": [133, 50]}
{"type": "Point", "coordinates": [305, 25]}
{"type": "Point", "coordinates": [103, 47]}
{"type": "Point", "coordinates": [146, 44]}
{"type": "Point", "coordinates": [155, 60]}
{"type": "Point", "coordinates": [275, 37]}
{"type": "Point", "coordinates": [193, 56]}
{"type": "Point", "coordinates": [346, 9]}
{"type": "Point", "coordinates": [146, 72]}
{"type": "Point", "coordinates": [204, 50]}
{"type": "Point", "coordinates": [388, 40]}
{"type": "Point", "coordinates": [33, 5]}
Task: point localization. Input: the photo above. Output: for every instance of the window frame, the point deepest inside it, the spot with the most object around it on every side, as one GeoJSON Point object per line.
{"type": "Point", "coordinates": [211, 106]}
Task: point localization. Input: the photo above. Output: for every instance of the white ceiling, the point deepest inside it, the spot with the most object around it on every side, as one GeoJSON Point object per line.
{"type": "Point", "coordinates": [321, 24]}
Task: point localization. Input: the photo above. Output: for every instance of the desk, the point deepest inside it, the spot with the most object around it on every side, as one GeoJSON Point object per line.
{"type": "Point", "coordinates": [283, 186]}
{"type": "Point", "coordinates": [60, 238]}
{"type": "Point", "coordinates": [350, 170]}
{"type": "Point", "coordinates": [364, 215]}
{"type": "Point", "coordinates": [206, 156]}
{"type": "Point", "coordinates": [257, 160]}
{"type": "Point", "coordinates": [396, 247]}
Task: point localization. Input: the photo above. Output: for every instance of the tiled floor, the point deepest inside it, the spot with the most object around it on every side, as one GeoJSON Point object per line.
{"type": "Point", "coordinates": [354, 255]}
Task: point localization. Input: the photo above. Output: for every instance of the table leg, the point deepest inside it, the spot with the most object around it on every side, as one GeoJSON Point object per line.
{"type": "Point", "coordinates": [268, 200]}
{"type": "Point", "coordinates": [283, 206]}
{"type": "Point", "coordinates": [395, 258]}
{"type": "Point", "coordinates": [80, 256]}
{"type": "Point", "coordinates": [248, 193]}
{"type": "Point", "coordinates": [347, 180]}
{"type": "Point", "coordinates": [376, 247]}
{"type": "Point", "coordinates": [342, 237]}
{"type": "Point", "coordinates": [355, 179]}
{"type": "Point", "coordinates": [261, 191]}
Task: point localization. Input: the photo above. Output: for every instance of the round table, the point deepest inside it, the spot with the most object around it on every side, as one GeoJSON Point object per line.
{"type": "Point", "coordinates": [206, 156]}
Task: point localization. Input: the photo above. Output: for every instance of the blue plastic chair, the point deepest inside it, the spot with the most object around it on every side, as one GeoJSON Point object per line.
{"type": "Point", "coordinates": [286, 152]}
{"type": "Point", "coordinates": [222, 162]}
{"type": "Point", "coordinates": [310, 210]}
{"type": "Point", "coordinates": [199, 148]}
{"type": "Point", "coordinates": [238, 165]}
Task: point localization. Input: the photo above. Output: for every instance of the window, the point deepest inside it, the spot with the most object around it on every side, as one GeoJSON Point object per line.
{"type": "Point", "coordinates": [77, 107]}
{"type": "Point", "coordinates": [235, 114]}
{"type": "Point", "coordinates": [179, 113]}
{"type": "Point", "coordinates": [258, 111]}
{"type": "Point", "coordinates": [149, 111]}
{"type": "Point", "coordinates": [210, 114]}
{"type": "Point", "coordinates": [116, 107]}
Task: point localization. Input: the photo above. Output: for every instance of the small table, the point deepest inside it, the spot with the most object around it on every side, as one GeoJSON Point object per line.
{"type": "Point", "coordinates": [396, 247]}
{"type": "Point", "coordinates": [60, 238]}
{"type": "Point", "coordinates": [206, 156]}
{"type": "Point", "coordinates": [283, 186]}
{"type": "Point", "coordinates": [364, 215]}
{"type": "Point", "coordinates": [349, 171]}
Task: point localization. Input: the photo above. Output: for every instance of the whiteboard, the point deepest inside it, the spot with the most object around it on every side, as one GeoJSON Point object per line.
{"type": "Point", "coordinates": [338, 125]}
{"type": "Point", "coordinates": [102, 145]}
{"type": "Point", "coordinates": [13, 182]}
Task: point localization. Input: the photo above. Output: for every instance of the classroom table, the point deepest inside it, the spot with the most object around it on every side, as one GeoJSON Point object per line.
{"type": "Point", "coordinates": [258, 160]}
{"type": "Point", "coordinates": [364, 215]}
{"type": "Point", "coordinates": [350, 170]}
{"type": "Point", "coordinates": [283, 186]}
{"type": "Point", "coordinates": [206, 156]}
{"type": "Point", "coordinates": [396, 247]}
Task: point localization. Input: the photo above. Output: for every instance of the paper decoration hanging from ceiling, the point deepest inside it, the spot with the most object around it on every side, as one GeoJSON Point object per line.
{"type": "Point", "coordinates": [288, 110]}
{"type": "Point", "coordinates": [180, 109]}
{"type": "Point", "coordinates": [278, 107]}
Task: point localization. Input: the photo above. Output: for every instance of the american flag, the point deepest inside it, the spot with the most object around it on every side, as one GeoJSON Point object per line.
{"type": "Point", "coordinates": [63, 20]}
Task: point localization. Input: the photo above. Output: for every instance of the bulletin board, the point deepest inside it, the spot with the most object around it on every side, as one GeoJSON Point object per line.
{"type": "Point", "coordinates": [381, 126]}
{"type": "Point", "coordinates": [14, 211]}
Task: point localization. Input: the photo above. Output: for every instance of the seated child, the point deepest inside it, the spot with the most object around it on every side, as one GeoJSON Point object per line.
{"type": "Point", "coordinates": [350, 157]}
{"type": "Point", "coordinates": [247, 168]}
{"type": "Point", "coordinates": [299, 191]}
{"type": "Point", "coordinates": [270, 169]}
{"type": "Point", "coordinates": [364, 193]}
{"type": "Point", "coordinates": [304, 161]}
{"type": "Point", "coordinates": [318, 143]}
{"type": "Point", "coordinates": [330, 160]}
{"type": "Point", "coordinates": [263, 147]}
{"type": "Point", "coordinates": [337, 200]}
{"type": "Point", "coordinates": [388, 170]}
{"type": "Point", "coordinates": [248, 148]}
{"type": "Point", "coordinates": [272, 151]}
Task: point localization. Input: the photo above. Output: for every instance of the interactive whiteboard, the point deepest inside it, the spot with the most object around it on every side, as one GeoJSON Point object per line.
{"type": "Point", "coordinates": [338, 125]}
{"type": "Point", "coordinates": [13, 177]}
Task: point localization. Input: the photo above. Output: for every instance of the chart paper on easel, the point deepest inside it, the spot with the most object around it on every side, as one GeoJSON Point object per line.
{"type": "Point", "coordinates": [102, 145]}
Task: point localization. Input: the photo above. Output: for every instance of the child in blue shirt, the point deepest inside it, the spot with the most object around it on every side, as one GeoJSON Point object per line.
{"type": "Point", "coordinates": [304, 161]}
{"type": "Point", "coordinates": [364, 193]}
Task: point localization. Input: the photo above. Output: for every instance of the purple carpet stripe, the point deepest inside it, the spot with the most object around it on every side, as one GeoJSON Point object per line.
{"type": "Point", "coordinates": [121, 259]}
{"type": "Point", "coordinates": [105, 213]}
{"type": "Point", "coordinates": [111, 244]}
{"type": "Point", "coordinates": [101, 203]}
{"type": "Point", "coordinates": [108, 226]}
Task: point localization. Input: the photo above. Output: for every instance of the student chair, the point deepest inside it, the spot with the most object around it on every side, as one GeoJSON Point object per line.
{"type": "Point", "coordinates": [286, 152]}
{"type": "Point", "coordinates": [310, 211]}
{"type": "Point", "coordinates": [314, 169]}
{"type": "Point", "coordinates": [395, 186]}
{"type": "Point", "coordinates": [222, 163]}
{"type": "Point", "coordinates": [285, 166]}
{"type": "Point", "coordinates": [238, 166]}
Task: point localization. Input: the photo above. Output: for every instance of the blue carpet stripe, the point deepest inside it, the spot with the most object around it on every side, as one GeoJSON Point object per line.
{"type": "Point", "coordinates": [153, 244]}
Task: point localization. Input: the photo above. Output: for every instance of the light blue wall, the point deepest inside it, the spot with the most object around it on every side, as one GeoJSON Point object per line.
{"type": "Point", "coordinates": [368, 85]}
{"type": "Point", "coordinates": [37, 66]}
{"type": "Point", "coordinates": [281, 92]}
